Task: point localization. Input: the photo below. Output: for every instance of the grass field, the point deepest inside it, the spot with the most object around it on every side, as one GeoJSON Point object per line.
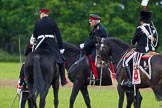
{"type": "Point", "coordinates": [107, 97]}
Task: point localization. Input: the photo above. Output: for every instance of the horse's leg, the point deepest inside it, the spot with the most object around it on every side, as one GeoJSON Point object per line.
{"type": "Point", "coordinates": [130, 98]}
{"type": "Point", "coordinates": [55, 87]}
{"type": "Point", "coordinates": [137, 99]}
{"type": "Point", "coordinates": [32, 100]}
{"type": "Point", "coordinates": [74, 93]}
{"type": "Point", "coordinates": [85, 94]}
{"type": "Point", "coordinates": [121, 96]}
{"type": "Point", "coordinates": [32, 97]}
{"type": "Point", "coordinates": [43, 96]}
{"type": "Point", "coordinates": [42, 101]}
{"type": "Point", "coordinates": [31, 103]}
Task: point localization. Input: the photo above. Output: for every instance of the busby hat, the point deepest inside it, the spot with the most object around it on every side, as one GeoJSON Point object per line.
{"type": "Point", "coordinates": [44, 10]}
{"type": "Point", "coordinates": [94, 17]}
{"type": "Point", "coordinates": [145, 16]}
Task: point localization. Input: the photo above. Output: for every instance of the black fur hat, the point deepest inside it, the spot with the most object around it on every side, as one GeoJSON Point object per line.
{"type": "Point", "coordinates": [146, 16]}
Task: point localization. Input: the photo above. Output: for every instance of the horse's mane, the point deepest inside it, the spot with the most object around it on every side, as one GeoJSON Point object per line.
{"type": "Point", "coordinates": [117, 41]}
{"type": "Point", "coordinates": [71, 47]}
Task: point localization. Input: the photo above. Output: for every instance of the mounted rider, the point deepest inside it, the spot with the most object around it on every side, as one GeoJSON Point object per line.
{"type": "Point", "coordinates": [145, 39]}
{"type": "Point", "coordinates": [48, 36]}
{"type": "Point", "coordinates": [89, 46]}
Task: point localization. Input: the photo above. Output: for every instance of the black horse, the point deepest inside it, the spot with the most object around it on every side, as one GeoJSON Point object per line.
{"type": "Point", "coordinates": [116, 48]}
{"type": "Point", "coordinates": [42, 71]}
{"type": "Point", "coordinates": [79, 71]}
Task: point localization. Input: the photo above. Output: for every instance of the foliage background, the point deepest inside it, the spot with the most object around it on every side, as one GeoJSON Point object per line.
{"type": "Point", "coordinates": [120, 17]}
{"type": "Point", "coordinates": [105, 97]}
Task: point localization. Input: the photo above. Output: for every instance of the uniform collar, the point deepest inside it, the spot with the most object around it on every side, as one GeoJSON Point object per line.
{"type": "Point", "coordinates": [45, 17]}
{"type": "Point", "coordinates": [146, 24]}
{"type": "Point", "coordinates": [96, 26]}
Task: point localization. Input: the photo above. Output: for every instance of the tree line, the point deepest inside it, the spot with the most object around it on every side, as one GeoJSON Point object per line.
{"type": "Point", "coordinates": [120, 17]}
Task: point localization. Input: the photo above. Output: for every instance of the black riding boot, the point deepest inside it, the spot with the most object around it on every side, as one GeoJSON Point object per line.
{"type": "Point", "coordinates": [62, 74]}
{"type": "Point", "coordinates": [127, 82]}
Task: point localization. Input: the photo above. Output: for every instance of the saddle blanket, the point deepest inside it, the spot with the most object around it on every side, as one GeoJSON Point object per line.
{"type": "Point", "coordinates": [141, 62]}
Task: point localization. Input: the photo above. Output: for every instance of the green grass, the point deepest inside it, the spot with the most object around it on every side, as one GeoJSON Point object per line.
{"type": "Point", "coordinates": [104, 98]}
{"type": "Point", "coordinates": [9, 70]}
{"type": "Point", "coordinates": [99, 99]}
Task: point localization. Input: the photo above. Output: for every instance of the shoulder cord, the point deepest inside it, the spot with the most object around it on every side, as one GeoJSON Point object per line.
{"type": "Point", "coordinates": [156, 34]}
{"type": "Point", "coordinates": [148, 37]}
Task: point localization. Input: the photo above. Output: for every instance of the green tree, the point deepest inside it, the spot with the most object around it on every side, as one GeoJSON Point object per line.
{"type": "Point", "coordinates": [120, 17]}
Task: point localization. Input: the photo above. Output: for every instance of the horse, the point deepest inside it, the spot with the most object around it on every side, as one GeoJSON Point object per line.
{"type": "Point", "coordinates": [78, 66]}
{"type": "Point", "coordinates": [117, 49]}
{"type": "Point", "coordinates": [41, 71]}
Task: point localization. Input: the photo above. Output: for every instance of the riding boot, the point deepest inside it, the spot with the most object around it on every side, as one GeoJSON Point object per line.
{"type": "Point", "coordinates": [94, 69]}
{"type": "Point", "coordinates": [127, 82]}
{"type": "Point", "coordinates": [62, 74]}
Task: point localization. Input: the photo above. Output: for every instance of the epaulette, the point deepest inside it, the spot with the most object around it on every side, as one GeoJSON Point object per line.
{"type": "Point", "coordinates": [139, 27]}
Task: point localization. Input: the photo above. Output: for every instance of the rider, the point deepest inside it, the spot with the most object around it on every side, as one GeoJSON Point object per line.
{"type": "Point", "coordinates": [89, 46]}
{"type": "Point", "coordinates": [22, 88]}
{"type": "Point", "coordinates": [145, 39]}
{"type": "Point", "coordinates": [47, 35]}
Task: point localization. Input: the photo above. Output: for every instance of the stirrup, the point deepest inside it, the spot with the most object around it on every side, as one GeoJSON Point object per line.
{"type": "Point", "coordinates": [92, 77]}
{"type": "Point", "coordinates": [92, 82]}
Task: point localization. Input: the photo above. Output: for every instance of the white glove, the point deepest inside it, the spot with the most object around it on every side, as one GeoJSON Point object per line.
{"type": "Point", "coordinates": [32, 40]}
{"type": "Point", "coordinates": [18, 91]}
{"type": "Point", "coordinates": [62, 51]}
{"type": "Point", "coordinates": [81, 45]}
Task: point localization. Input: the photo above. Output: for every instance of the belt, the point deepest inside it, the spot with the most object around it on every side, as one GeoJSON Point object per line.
{"type": "Point", "coordinates": [46, 36]}
{"type": "Point", "coordinates": [42, 37]}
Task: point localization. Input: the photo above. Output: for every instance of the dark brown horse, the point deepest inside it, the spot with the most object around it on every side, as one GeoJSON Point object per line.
{"type": "Point", "coordinates": [42, 71]}
{"type": "Point", "coordinates": [116, 48]}
{"type": "Point", "coordinates": [79, 71]}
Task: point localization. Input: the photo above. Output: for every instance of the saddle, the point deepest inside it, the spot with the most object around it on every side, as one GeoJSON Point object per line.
{"type": "Point", "coordinates": [149, 54]}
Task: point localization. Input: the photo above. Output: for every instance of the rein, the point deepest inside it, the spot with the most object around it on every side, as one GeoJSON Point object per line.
{"type": "Point", "coordinates": [81, 54]}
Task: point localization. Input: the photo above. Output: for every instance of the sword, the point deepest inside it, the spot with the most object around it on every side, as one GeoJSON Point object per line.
{"type": "Point", "coordinates": [156, 33]}
{"type": "Point", "coordinates": [14, 100]}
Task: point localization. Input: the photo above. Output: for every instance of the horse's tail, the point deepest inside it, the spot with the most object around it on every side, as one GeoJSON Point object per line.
{"type": "Point", "coordinates": [39, 82]}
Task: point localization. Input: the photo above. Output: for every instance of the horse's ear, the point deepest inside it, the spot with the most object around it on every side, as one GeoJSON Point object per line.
{"type": "Point", "coordinates": [98, 39]}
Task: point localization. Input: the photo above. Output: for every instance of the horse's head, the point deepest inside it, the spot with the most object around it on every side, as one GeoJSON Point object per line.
{"type": "Point", "coordinates": [103, 50]}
